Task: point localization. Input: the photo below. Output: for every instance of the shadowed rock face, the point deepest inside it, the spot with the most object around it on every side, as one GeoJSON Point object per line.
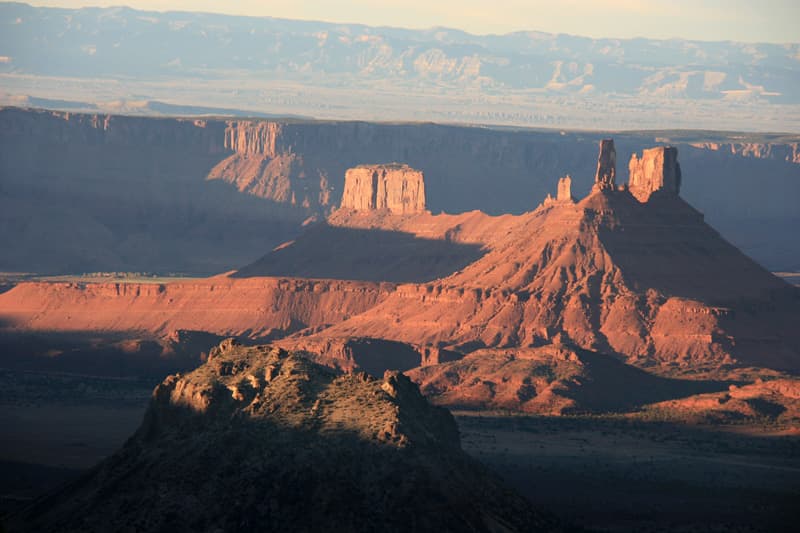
{"type": "Point", "coordinates": [397, 188]}
{"type": "Point", "coordinates": [657, 170]}
{"type": "Point", "coordinates": [259, 439]}
{"type": "Point", "coordinates": [335, 252]}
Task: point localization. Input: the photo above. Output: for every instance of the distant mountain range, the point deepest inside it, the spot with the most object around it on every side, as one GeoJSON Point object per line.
{"type": "Point", "coordinates": [522, 78]}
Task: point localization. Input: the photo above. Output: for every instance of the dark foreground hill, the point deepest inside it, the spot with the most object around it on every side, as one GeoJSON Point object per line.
{"type": "Point", "coordinates": [259, 439]}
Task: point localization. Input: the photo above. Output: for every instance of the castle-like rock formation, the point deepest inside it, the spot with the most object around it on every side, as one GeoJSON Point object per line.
{"type": "Point", "coordinates": [397, 188]}
{"type": "Point", "coordinates": [656, 170]}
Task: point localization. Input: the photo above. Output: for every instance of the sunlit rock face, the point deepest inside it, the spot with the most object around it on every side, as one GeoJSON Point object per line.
{"type": "Point", "coordinates": [656, 170]}
{"type": "Point", "coordinates": [397, 188]}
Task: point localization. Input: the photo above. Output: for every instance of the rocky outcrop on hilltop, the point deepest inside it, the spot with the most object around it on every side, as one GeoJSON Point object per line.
{"type": "Point", "coordinates": [656, 170]}
{"type": "Point", "coordinates": [397, 188]}
{"type": "Point", "coordinates": [564, 193]}
{"type": "Point", "coordinates": [261, 439]}
{"type": "Point", "coordinates": [565, 189]}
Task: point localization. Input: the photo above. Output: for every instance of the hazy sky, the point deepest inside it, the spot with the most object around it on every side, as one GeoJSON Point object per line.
{"type": "Point", "coordinates": [739, 20]}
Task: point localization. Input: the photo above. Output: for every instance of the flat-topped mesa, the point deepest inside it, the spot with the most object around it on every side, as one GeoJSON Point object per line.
{"type": "Point", "coordinates": [657, 170]}
{"type": "Point", "coordinates": [395, 187]}
{"type": "Point", "coordinates": [606, 174]}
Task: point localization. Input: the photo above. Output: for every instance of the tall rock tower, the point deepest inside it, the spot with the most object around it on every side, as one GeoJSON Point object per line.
{"type": "Point", "coordinates": [606, 174]}
{"type": "Point", "coordinates": [565, 189]}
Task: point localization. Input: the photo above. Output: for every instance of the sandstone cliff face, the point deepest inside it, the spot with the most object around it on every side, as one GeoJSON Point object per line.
{"type": "Point", "coordinates": [254, 138]}
{"type": "Point", "coordinates": [657, 170]}
{"type": "Point", "coordinates": [258, 438]}
{"type": "Point", "coordinates": [396, 188]}
{"type": "Point", "coordinates": [86, 192]}
{"type": "Point", "coordinates": [789, 152]}
{"type": "Point", "coordinates": [58, 127]}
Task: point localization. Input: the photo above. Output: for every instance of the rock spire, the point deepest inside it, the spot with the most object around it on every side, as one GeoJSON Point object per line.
{"type": "Point", "coordinates": [606, 166]}
{"type": "Point", "coordinates": [565, 189]}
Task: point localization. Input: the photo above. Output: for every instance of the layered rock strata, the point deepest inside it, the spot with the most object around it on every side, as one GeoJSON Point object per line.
{"type": "Point", "coordinates": [96, 192]}
{"type": "Point", "coordinates": [396, 188]}
{"type": "Point", "coordinates": [651, 282]}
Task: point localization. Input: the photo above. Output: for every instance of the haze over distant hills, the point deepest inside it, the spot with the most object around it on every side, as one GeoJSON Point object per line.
{"type": "Point", "coordinates": [121, 58]}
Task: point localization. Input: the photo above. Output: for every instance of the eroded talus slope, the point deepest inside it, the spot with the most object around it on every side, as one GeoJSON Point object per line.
{"type": "Point", "coordinates": [260, 439]}
{"type": "Point", "coordinates": [650, 281]}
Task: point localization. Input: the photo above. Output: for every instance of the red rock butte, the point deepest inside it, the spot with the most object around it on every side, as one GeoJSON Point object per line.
{"type": "Point", "coordinates": [656, 170]}
{"type": "Point", "coordinates": [394, 187]}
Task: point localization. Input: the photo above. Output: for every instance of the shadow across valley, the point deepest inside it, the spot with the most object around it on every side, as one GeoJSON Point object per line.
{"type": "Point", "coordinates": [614, 386]}
{"type": "Point", "coordinates": [619, 474]}
{"type": "Point", "coordinates": [333, 252]}
{"type": "Point", "coordinates": [108, 354]}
